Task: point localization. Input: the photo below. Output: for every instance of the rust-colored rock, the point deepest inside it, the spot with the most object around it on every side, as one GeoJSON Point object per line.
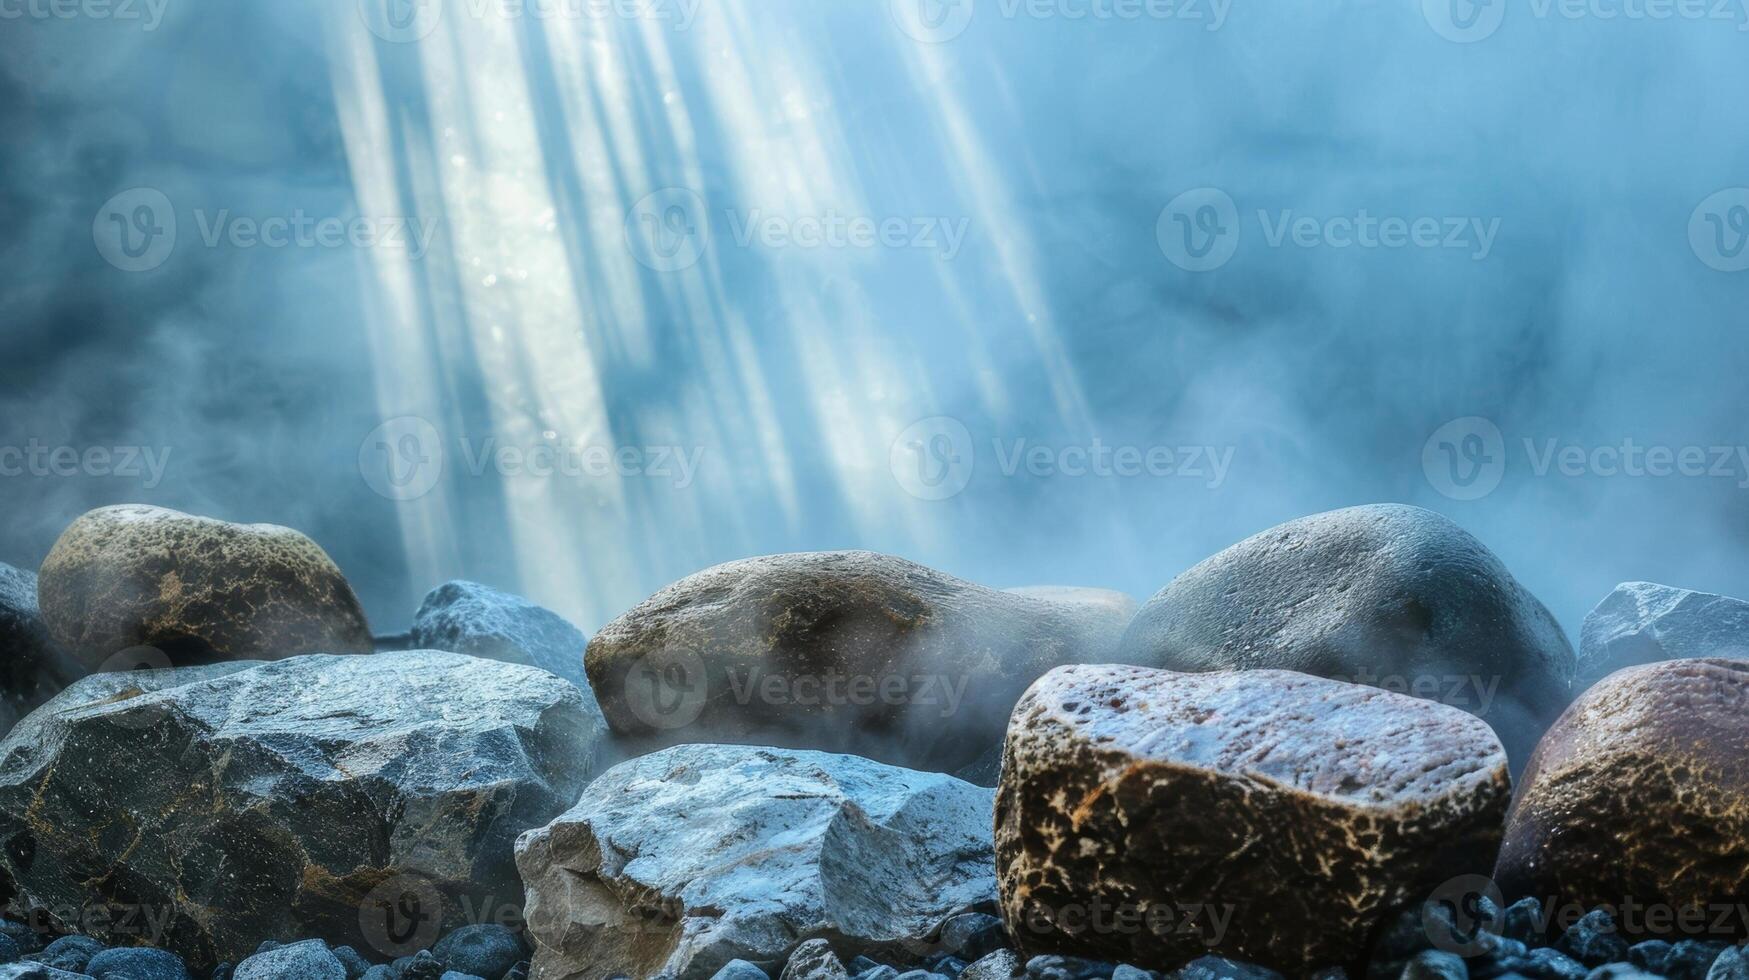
{"type": "Point", "coordinates": [1151, 817]}
{"type": "Point", "coordinates": [197, 589]}
{"type": "Point", "coordinates": [1640, 793]}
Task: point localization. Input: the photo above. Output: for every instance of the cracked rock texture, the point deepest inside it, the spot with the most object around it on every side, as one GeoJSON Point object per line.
{"type": "Point", "coordinates": [676, 863]}
{"type": "Point", "coordinates": [32, 668]}
{"type": "Point", "coordinates": [198, 590]}
{"type": "Point", "coordinates": [1151, 817]}
{"type": "Point", "coordinates": [1643, 623]}
{"type": "Point", "coordinates": [1640, 792]}
{"type": "Point", "coordinates": [234, 803]}
{"type": "Point", "coordinates": [1388, 595]}
{"type": "Point", "coordinates": [839, 651]}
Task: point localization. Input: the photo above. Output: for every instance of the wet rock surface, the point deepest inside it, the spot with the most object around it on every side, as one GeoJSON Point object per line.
{"type": "Point", "coordinates": [1336, 803]}
{"type": "Point", "coordinates": [1640, 792]}
{"type": "Point", "coordinates": [1393, 596]}
{"type": "Point", "coordinates": [1643, 623]}
{"type": "Point", "coordinates": [838, 651]}
{"type": "Point", "coordinates": [214, 807]}
{"type": "Point", "coordinates": [676, 863]}
{"type": "Point", "coordinates": [32, 668]}
{"type": "Point", "coordinates": [466, 617]}
{"type": "Point", "coordinates": [197, 589]}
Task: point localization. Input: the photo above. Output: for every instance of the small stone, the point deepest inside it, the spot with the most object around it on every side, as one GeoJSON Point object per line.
{"type": "Point", "coordinates": [1620, 971]}
{"type": "Point", "coordinates": [1222, 968]}
{"type": "Point", "coordinates": [520, 972]}
{"type": "Point", "coordinates": [973, 935]}
{"type": "Point", "coordinates": [355, 964]}
{"type": "Point", "coordinates": [8, 950]}
{"type": "Point", "coordinates": [70, 953]}
{"type": "Point", "coordinates": [420, 966]}
{"type": "Point", "coordinates": [814, 960]}
{"type": "Point", "coordinates": [1594, 940]}
{"type": "Point", "coordinates": [308, 960]}
{"type": "Point", "coordinates": [1550, 964]}
{"type": "Point", "coordinates": [1003, 964]}
{"type": "Point", "coordinates": [919, 975]}
{"type": "Point", "coordinates": [1054, 967]}
{"type": "Point", "coordinates": [453, 975]}
{"type": "Point", "coordinates": [137, 963]}
{"type": "Point", "coordinates": [876, 972]}
{"type": "Point", "coordinates": [37, 971]}
{"type": "Point", "coordinates": [860, 964]}
{"type": "Point", "coordinates": [1523, 920]}
{"type": "Point", "coordinates": [1127, 972]}
{"type": "Point", "coordinates": [224, 971]}
{"type": "Point", "coordinates": [1732, 964]}
{"type": "Point", "coordinates": [485, 950]}
{"type": "Point", "coordinates": [21, 935]}
{"type": "Point", "coordinates": [1433, 964]}
{"type": "Point", "coordinates": [737, 970]}
{"type": "Point", "coordinates": [1690, 959]}
{"type": "Point", "coordinates": [1650, 955]}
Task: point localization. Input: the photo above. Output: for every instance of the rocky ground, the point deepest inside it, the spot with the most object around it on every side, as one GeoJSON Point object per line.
{"type": "Point", "coordinates": [1351, 746]}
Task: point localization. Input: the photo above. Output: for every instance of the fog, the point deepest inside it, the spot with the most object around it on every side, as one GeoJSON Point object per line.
{"type": "Point", "coordinates": [575, 299]}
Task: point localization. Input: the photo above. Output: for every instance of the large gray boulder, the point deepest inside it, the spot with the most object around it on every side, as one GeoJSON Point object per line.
{"type": "Point", "coordinates": [838, 651]}
{"type": "Point", "coordinates": [1392, 596]}
{"type": "Point", "coordinates": [195, 589]}
{"type": "Point", "coordinates": [1151, 817]}
{"type": "Point", "coordinates": [470, 618]}
{"type": "Point", "coordinates": [368, 801]}
{"type": "Point", "coordinates": [1643, 623]}
{"type": "Point", "coordinates": [32, 668]}
{"type": "Point", "coordinates": [676, 863]}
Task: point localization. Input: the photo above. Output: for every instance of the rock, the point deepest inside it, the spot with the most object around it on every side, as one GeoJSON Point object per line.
{"type": "Point", "coordinates": [466, 617]}
{"type": "Point", "coordinates": [973, 935]}
{"type": "Point", "coordinates": [1524, 921]}
{"type": "Point", "coordinates": [740, 970]}
{"type": "Point", "coordinates": [351, 799]}
{"type": "Point", "coordinates": [1004, 964]}
{"type": "Point", "coordinates": [420, 966]}
{"type": "Point", "coordinates": [32, 668]}
{"type": "Point", "coordinates": [1346, 802]}
{"type": "Point", "coordinates": [1053, 967]}
{"type": "Point", "coordinates": [1221, 968]}
{"type": "Point", "coordinates": [70, 953]}
{"type": "Point", "coordinates": [486, 949]}
{"type": "Point", "coordinates": [309, 960]}
{"type": "Point", "coordinates": [920, 975]}
{"type": "Point", "coordinates": [137, 963]}
{"type": "Point", "coordinates": [1639, 792]}
{"type": "Point", "coordinates": [1650, 955]}
{"type": "Point", "coordinates": [946, 965]}
{"type": "Point", "coordinates": [1594, 940]}
{"type": "Point", "coordinates": [1392, 596]}
{"type": "Point", "coordinates": [23, 936]}
{"type": "Point", "coordinates": [678, 862]}
{"type": "Point", "coordinates": [814, 960]}
{"type": "Point", "coordinates": [839, 651]}
{"type": "Point", "coordinates": [1620, 971]}
{"type": "Point", "coordinates": [1690, 959]}
{"type": "Point", "coordinates": [355, 964]}
{"type": "Point", "coordinates": [1127, 972]}
{"type": "Point", "coordinates": [453, 975]}
{"type": "Point", "coordinates": [1732, 964]}
{"type": "Point", "coordinates": [37, 971]}
{"type": "Point", "coordinates": [1550, 964]}
{"type": "Point", "coordinates": [196, 589]}
{"type": "Point", "coordinates": [1432, 964]}
{"type": "Point", "coordinates": [1642, 623]}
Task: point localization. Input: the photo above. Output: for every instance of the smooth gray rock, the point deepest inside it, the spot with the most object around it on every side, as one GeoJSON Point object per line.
{"type": "Point", "coordinates": [466, 617]}
{"type": "Point", "coordinates": [308, 960]}
{"type": "Point", "coordinates": [1391, 596]}
{"type": "Point", "coordinates": [837, 651]}
{"type": "Point", "coordinates": [485, 949]}
{"type": "Point", "coordinates": [740, 970]}
{"type": "Point", "coordinates": [37, 971]}
{"type": "Point", "coordinates": [1643, 623]}
{"type": "Point", "coordinates": [32, 668]}
{"type": "Point", "coordinates": [137, 963]}
{"type": "Point", "coordinates": [814, 960]}
{"type": "Point", "coordinates": [1305, 810]}
{"type": "Point", "coordinates": [315, 796]}
{"type": "Point", "coordinates": [675, 863]}
{"type": "Point", "coordinates": [1004, 964]}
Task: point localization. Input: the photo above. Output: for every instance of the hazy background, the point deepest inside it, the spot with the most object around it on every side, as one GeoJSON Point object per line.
{"type": "Point", "coordinates": [530, 140]}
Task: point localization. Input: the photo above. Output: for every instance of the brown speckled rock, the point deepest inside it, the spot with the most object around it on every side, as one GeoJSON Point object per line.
{"type": "Point", "coordinates": [1640, 792]}
{"type": "Point", "coordinates": [198, 589]}
{"type": "Point", "coordinates": [1392, 596]}
{"type": "Point", "coordinates": [1151, 817]}
{"type": "Point", "coordinates": [839, 651]}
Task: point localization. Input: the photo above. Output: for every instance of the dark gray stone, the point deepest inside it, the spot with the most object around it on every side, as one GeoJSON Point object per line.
{"type": "Point", "coordinates": [1594, 940]}
{"type": "Point", "coordinates": [974, 935]}
{"type": "Point", "coordinates": [70, 953]}
{"type": "Point", "coordinates": [675, 863]}
{"type": "Point", "coordinates": [37, 971]}
{"type": "Point", "coordinates": [1050, 966]}
{"type": "Point", "coordinates": [1690, 959]}
{"type": "Point", "coordinates": [1524, 921]}
{"type": "Point", "coordinates": [355, 964]}
{"type": "Point", "coordinates": [1433, 964]}
{"type": "Point", "coordinates": [466, 617]}
{"type": "Point", "coordinates": [319, 796]}
{"type": "Point", "coordinates": [308, 960]}
{"type": "Point", "coordinates": [740, 970]}
{"type": "Point", "coordinates": [485, 949]}
{"type": "Point", "coordinates": [814, 960]}
{"type": "Point", "coordinates": [1388, 595]}
{"type": "Point", "coordinates": [137, 963]}
{"type": "Point", "coordinates": [1732, 964]}
{"type": "Point", "coordinates": [1003, 964]}
{"type": "Point", "coordinates": [1548, 963]}
{"type": "Point", "coordinates": [1643, 623]}
{"type": "Point", "coordinates": [32, 668]}
{"type": "Point", "coordinates": [1221, 968]}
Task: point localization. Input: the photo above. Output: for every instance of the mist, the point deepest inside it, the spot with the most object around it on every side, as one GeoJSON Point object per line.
{"type": "Point", "coordinates": [576, 299]}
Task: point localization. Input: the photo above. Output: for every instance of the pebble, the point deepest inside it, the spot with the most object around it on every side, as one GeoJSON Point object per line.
{"type": "Point", "coordinates": [814, 960]}
{"type": "Point", "coordinates": [1003, 964]}
{"type": "Point", "coordinates": [740, 970]}
{"type": "Point", "coordinates": [484, 950]}
{"type": "Point", "coordinates": [137, 963]}
{"type": "Point", "coordinates": [1549, 964]}
{"type": "Point", "coordinates": [1052, 967]}
{"type": "Point", "coordinates": [1732, 964]}
{"type": "Point", "coordinates": [70, 953]}
{"type": "Point", "coordinates": [1690, 959]}
{"type": "Point", "coordinates": [973, 935]}
{"type": "Point", "coordinates": [308, 960]}
{"type": "Point", "coordinates": [1523, 921]}
{"type": "Point", "coordinates": [1594, 940]}
{"type": "Point", "coordinates": [1433, 964]}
